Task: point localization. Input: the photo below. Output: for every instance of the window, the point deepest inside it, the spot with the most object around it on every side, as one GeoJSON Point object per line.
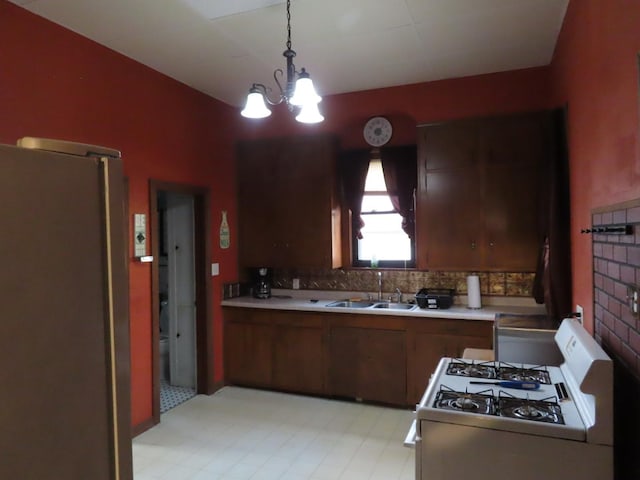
{"type": "Point", "coordinates": [384, 243]}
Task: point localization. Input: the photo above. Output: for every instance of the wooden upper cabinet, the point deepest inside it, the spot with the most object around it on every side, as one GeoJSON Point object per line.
{"type": "Point", "coordinates": [288, 207]}
{"type": "Point", "coordinates": [480, 191]}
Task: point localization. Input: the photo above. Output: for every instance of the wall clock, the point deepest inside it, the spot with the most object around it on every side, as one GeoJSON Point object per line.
{"type": "Point", "coordinates": [377, 131]}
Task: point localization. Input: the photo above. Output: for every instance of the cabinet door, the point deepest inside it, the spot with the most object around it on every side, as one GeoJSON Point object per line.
{"type": "Point", "coordinates": [481, 192]}
{"type": "Point", "coordinates": [298, 354]}
{"type": "Point", "coordinates": [449, 215]}
{"type": "Point", "coordinates": [369, 364]}
{"type": "Point", "coordinates": [344, 360]}
{"type": "Point", "coordinates": [308, 202]}
{"type": "Point", "coordinates": [512, 235]}
{"type": "Point", "coordinates": [515, 151]}
{"type": "Point", "coordinates": [454, 228]}
{"type": "Point", "coordinates": [383, 364]}
{"type": "Point", "coordinates": [286, 201]}
{"type": "Point", "coordinates": [428, 343]}
{"type": "Point", "coordinates": [258, 225]}
{"type": "Point", "coordinates": [428, 349]}
{"type": "Point", "coordinates": [248, 353]}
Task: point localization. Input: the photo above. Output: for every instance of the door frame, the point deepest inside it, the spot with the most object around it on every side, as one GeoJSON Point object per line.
{"type": "Point", "coordinates": [204, 320]}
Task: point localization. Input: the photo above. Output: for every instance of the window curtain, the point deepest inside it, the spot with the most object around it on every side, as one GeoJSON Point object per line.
{"type": "Point", "coordinates": [552, 284]}
{"type": "Point", "coordinates": [353, 167]}
{"type": "Point", "coordinates": [400, 168]}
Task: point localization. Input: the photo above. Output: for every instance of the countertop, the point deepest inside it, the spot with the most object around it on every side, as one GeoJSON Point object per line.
{"type": "Point", "coordinates": [317, 301]}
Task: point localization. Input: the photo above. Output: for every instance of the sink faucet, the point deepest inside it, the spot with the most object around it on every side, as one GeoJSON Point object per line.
{"type": "Point", "coordinates": [380, 286]}
{"type": "Point", "coordinates": [399, 295]}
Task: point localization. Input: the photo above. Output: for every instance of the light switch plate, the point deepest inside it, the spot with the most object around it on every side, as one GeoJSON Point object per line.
{"type": "Point", "coordinates": [580, 312]}
{"type": "Point", "coordinates": [139, 235]}
{"type": "Point", "coordinates": [215, 269]}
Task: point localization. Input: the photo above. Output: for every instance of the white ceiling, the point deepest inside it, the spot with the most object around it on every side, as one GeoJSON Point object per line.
{"type": "Point", "coordinates": [221, 47]}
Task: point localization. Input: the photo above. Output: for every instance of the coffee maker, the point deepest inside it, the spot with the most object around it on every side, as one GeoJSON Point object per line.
{"type": "Point", "coordinates": [262, 287]}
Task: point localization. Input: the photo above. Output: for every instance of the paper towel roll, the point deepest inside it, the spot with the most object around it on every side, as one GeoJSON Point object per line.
{"type": "Point", "coordinates": [473, 292]}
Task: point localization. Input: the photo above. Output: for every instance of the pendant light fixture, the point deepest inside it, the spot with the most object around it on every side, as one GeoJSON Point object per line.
{"type": "Point", "coordinates": [298, 92]}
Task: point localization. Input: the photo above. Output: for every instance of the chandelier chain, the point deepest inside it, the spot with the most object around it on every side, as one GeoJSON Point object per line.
{"type": "Point", "coordinates": [288, 24]}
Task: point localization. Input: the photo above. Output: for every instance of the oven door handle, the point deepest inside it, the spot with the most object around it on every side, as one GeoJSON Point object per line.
{"type": "Point", "coordinates": [410, 439]}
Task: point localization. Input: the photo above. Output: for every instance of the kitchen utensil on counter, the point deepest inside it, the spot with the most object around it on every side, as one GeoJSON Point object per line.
{"type": "Point", "coordinates": [520, 385]}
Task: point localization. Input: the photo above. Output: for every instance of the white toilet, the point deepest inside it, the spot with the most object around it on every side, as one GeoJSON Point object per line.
{"type": "Point", "coordinates": [164, 340]}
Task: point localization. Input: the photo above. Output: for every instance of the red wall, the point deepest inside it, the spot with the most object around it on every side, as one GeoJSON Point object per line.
{"type": "Point", "coordinates": [595, 72]}
{"type": "Point", "coordinates": [56, 84]}
{"type": "Point", "coordinates": [412, 105]}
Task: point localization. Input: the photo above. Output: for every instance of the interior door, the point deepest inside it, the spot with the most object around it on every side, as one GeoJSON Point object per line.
{"type": "Point", "coordinates": [182, 292]}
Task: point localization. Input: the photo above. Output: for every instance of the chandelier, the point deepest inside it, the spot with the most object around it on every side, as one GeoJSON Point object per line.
{"type": "Point", "coordinates": [298, 91]}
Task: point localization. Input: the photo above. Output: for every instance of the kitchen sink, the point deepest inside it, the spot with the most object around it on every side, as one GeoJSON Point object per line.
{"type": "Point", "coordinates": [368, 304]}
{"type": "Point", "coordinates": [350, 304]}
{"type": "Point", "coordinates": [395, 306]}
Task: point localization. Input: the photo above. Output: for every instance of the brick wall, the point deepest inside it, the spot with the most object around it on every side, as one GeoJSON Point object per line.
{"type": "Point", "coordinates": [616, 264]}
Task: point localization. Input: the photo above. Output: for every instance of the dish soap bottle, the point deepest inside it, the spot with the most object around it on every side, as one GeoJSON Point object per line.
{"type": "Point", "coordinates": [225, 235]}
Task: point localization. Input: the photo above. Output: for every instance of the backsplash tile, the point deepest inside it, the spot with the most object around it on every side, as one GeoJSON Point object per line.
{"type": "Point", "coordinates": [408, 281]}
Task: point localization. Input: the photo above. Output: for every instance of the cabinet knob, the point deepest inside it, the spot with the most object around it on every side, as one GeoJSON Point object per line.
{"type": "Point", "coordinates": [473, 245]}
{"type": "Point", "coordinates": [491, 244]}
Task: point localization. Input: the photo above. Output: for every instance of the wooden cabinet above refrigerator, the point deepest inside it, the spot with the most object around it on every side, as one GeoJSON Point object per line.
{"type": "Point", "coordinates": [288, 209]}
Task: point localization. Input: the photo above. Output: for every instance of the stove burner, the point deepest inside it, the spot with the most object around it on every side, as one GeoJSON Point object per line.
{"type": "Point", "coordinates": [530, 374]}
{"type": "Point", "coordinates": [528, 411]}
{"type": "Point", "coordinates": [464, 368]}
{"type": "Point", "coordinates": [466, 403]}
{"type": "Point", "coordinates": [546, 410]}
{"type": "Point", "coordinates": [482, 402]}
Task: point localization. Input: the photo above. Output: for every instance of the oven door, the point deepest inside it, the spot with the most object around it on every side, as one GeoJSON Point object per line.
{"type": "Point", "coordinates": [410, 439]}
{"type": "Point", "coordinates": [413, 440]}
{"type": "Point", "coordinates": [413, 433]}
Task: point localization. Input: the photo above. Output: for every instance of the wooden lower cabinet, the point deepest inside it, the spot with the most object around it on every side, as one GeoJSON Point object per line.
{"type": "Point", "coordinates": [248, 338]}
{"type": "Point", "coordinates": [430, 340]}
{"type": "Point", "coordinates": [299, 353]}
{"type": "Point", "coordinates": [375, 358]}
{"type": "Point", "coordinates": [368, 364]}
{"type": "Point", "coordinates": [276, 349]}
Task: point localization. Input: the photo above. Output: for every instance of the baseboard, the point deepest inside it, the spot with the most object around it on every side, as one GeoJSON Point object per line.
{"type": "Point", "coordinates": [142, 427]}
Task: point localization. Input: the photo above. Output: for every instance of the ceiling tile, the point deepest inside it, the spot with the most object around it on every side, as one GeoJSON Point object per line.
{"type": "Point", "coordinates": [346, 45]}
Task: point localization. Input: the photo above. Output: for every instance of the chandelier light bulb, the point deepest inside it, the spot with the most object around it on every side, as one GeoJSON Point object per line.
{"type": "Point", "coordinates": [255, 106]}
{"type": "Point", "coordinates": [310, 114]}
{"type": "Point", "coordinates": [298, 92]}
{"type": "Point", "coordinates": [304, 93]}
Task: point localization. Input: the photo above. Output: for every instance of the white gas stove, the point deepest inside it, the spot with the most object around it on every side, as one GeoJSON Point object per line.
{"type": "Point", "coordinates": [500, 420]}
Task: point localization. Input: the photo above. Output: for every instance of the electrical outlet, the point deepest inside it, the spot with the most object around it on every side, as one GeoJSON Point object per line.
{"type": "Point", "coordinates": [633, 299]}
{"type": "Point", "coordinates": [580, 314]}
{"type": "Point", "coordinates": [296, 284]}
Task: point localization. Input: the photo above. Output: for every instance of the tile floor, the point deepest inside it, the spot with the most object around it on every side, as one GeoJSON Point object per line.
{"type": "Point", "coordinates": [172, 396]}
{"type": "Point", "coordinates": [241, 433]}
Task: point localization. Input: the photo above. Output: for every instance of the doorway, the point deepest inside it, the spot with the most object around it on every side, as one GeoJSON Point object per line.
{"type": "Point", "coordinates": [182, 344]}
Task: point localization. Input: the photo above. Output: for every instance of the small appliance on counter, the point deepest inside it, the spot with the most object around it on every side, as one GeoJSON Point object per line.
{"type": "Point", "coordinates": [262, 287]}
{"type": "Point", "coordinates": [435, 297]}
